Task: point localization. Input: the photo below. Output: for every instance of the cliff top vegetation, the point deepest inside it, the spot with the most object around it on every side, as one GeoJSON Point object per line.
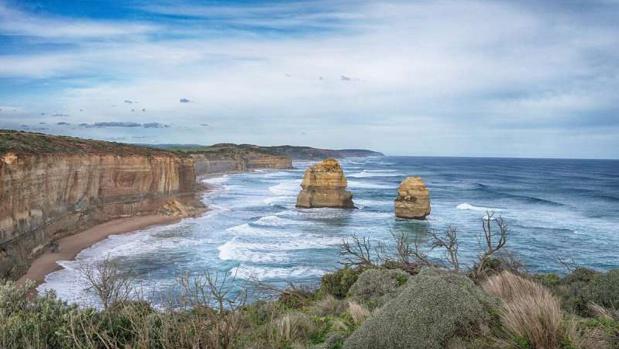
{"type": "Point", "coordinates": [20, 142]}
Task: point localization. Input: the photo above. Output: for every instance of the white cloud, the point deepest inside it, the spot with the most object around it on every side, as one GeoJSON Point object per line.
{"type": "Point", "coordinates": [15, 22]}
{"type": "Point", "coordinates": [418, 68]}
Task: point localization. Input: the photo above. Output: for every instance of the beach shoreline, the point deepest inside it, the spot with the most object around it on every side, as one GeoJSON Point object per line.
{"type": "Point", "coordinates": [70, 246]}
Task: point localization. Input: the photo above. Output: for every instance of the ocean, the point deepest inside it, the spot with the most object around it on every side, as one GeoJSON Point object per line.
{"type": "Point", "coordinates": [556, 210]}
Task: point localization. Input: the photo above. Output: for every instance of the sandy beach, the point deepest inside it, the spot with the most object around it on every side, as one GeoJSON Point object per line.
{"type": "Point", "coordinates": [70, 246]}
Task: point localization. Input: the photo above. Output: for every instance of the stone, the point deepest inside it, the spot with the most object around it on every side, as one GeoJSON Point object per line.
{"type": "Point", "coordinates": [324, 185]}
{"type": "Point", "coordinates": [413, 201]}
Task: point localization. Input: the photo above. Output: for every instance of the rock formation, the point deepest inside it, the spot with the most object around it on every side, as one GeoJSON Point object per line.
{"type": "Point", "coordinates": [324, 185]}
{"type": "Point", "coordinates": [413, 199]}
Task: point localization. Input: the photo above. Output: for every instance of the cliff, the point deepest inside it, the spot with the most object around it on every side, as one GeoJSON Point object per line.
{"type": "Point", "coordinates": [324, 185]}
{"type": "Point", "coordinates": [413, 199]}
{"type": "Point", "coordinates": [52, 186]}
{"type": "Point", "coordinates": [230, 158]}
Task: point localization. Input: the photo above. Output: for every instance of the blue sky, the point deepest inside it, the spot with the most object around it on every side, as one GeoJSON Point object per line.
{"type": "Point", "coordinates": [451, 78]}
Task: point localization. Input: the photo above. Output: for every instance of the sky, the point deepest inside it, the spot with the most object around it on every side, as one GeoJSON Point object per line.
{"type": "Point", "coordinates": [432, 78]}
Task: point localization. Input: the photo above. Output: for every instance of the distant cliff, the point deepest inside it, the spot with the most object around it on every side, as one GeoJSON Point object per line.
{"type": "Point", "coordinates": [293, 152]}
{"type": "Point", "coordinates": [230, 158]}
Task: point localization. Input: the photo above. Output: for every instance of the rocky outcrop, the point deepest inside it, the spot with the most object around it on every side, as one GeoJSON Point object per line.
{"type": "Point", "coordinates": [324, 185]}
{"type": "Point", "coordinates": [51, 187]}
{"type": "Point", "coordinates": [413, 199]}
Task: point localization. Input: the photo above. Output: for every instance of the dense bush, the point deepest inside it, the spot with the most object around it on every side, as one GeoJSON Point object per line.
{"type": "Point", "coordinates": [339, 282]}
{"type": "Point", "coordinates": [584, 287]}
{"type": "Point", "coordinates": [431, 309]}
{"type": "Point", "coordinates": [374, 287]}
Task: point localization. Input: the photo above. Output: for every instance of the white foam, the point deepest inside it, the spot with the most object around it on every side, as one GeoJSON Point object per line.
{"type": "Point", "coordinates": [216, 180]}
{"type": "Point", "coordinates": [366, 185]}
{"type": "Point", "coordinates": [242, 252]}
{"type": "Point", "coordinates": [375, 173]}
{"type": "Point", "coordinates": [469, 207]}
{"type": "Point", "coordinates": [286, 188]}
{"type": "Point", "coordinates": [274, 221]}
{"type": "Point", "coordinates": [263, 273]}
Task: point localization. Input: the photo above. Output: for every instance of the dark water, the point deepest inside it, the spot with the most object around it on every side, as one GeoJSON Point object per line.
{"type": "Point", "coordinates": [555, 209]}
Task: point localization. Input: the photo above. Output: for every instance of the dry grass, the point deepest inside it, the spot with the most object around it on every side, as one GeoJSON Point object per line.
{"type": "Point", "coordinates": [530, 311]}
{"type": "Point", "coordinates": [358, 312]}
{"type": "Point", "coordinates": [293, 326]}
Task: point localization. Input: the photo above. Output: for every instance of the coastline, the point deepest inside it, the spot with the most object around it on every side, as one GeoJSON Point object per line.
{"type": "Point", "coordinates": [70, 246]}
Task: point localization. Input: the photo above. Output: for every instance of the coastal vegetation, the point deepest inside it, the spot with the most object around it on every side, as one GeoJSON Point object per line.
{"type": "Point", "coordinates": [394, 296]}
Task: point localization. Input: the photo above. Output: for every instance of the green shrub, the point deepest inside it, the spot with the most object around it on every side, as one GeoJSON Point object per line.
{"type": "Point", "coordinates": [339, 282]}
{"type": "Point", "coordinates": [374, 287]}
{"type": "Point", "coordinates": [431, 309]}
{"type": "Point", "coordinates": [604, 289]}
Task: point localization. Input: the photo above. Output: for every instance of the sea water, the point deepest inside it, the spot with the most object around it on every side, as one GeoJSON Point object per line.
{"type": "Point", "coordinates": [556, 210]}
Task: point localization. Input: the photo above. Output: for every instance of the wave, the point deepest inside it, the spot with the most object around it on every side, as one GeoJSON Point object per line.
{"type": "Point", "coordinates": [469, 207]}
{"type": "Point", "coordinates": [286, 188]}
{"type": "Point", "coordinates": [242, 252]}
{"type": "Point", "coordinates": [366, 185]}
{"type": "Point", "coordinates": [375, 173]}
{"type": "Point", "coordinates": [264, 273]}
{"type": "Point", "coordinates": [274, 221]}
{"type": "Point", "coordinates": [527, 198]}
{"type": "Point", "coordinates": [216, 180]}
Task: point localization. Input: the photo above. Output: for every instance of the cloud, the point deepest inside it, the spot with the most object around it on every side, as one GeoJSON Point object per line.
{"type": "Point", "coordinates": [452, 73]}
{"type": "Point", "coordinates": [19, 23]}
{"type": "Point", "coordinates": [121, 124]}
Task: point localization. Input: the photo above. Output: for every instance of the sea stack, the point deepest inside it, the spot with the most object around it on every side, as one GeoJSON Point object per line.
{"type": "Point", "coordinates": [324, 185]}
{"type": "Point", "coordinates": [413, 201]}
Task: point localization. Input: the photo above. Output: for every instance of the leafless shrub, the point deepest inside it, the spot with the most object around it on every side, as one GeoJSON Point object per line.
{"type": "Point", "coordinates": [491, 241]}
{"type": "Point", "coordinates": [360, 253]}
{"type": "Point", "coordinates": [213, 295]}
{"type": "Point", "coordinates": [448, 241]}
{"type": "Point", "coordinates": [108, 282]}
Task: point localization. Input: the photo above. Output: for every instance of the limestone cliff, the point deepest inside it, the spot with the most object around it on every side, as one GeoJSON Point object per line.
{"type": "Point", "coordinates": [221, 159]}
{"type": "Point", "coordinates": [324, 185]}
{"type": "Point", "coordinates": [413, 199]}
{"type": "Point", "coordinates": [54, 186]}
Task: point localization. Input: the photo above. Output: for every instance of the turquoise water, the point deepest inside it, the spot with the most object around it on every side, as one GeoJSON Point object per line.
{"type": "Point", "coordinates": [556, 209]}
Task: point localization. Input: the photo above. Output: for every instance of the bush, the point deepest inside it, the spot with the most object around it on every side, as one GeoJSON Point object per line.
{"type": "Point", "coordinates": [432, 308]}
{"type": "Point", "coordinates": [339, 282]}
{"type": "Point", "coordinates": [374, 287]}
{"type": "Point", "coordinates": [604, 289]}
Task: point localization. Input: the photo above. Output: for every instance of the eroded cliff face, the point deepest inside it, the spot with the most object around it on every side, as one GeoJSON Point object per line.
{"type": "Point", "coordinates": [238, 162]}
{"type": "Point", "coordinates": [47, 196]}
{"type": "Point", "coordinates": [324, 185]}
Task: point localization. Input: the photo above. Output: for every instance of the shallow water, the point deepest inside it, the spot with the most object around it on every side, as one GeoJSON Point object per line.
{"type": "Point", "coordinates": [556, 209]}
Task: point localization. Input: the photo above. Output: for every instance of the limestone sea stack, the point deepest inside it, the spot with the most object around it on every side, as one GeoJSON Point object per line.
{"type": "Point", "coordinates": [413, 199]}
{"type": "Point", "coordinates": [324, 185]}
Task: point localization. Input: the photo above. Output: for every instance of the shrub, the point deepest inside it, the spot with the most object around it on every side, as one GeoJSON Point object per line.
{"type": "Point", "coordinates": [530, 312]}
{"type": "Point", "coordinates": [339, 282]}
{"type": "Point", "coordinates": [604, 290]}
{"type": "Point", "coordinates": [374, 287]}
{"type": "Point", "coordinates": [431, 309]}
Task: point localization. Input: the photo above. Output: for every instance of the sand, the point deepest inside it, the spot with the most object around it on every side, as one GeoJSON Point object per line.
{"type": "Point", "coordinates": [70, 246]}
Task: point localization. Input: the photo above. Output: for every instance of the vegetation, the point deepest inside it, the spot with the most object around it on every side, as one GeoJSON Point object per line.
{"type": "Point", "coordinates": [401, 299]}
{"type": "Point", "coordinates": [20, 142]}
